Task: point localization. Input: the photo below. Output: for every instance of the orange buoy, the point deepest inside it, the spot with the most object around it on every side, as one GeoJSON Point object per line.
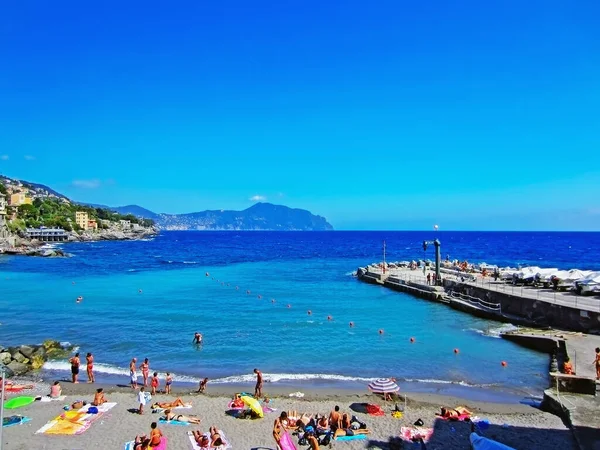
{"type": "Point", "coordinates": [456, 351]}
{"type": "Point", "coordinates": [504, 364]}
{"type": "Point", "coordinates": [380, 331]}
{"type": "Point", "coordinates": [329, 317]}
{"type": "Point", "coordinates": [412, 339]}
{"type": "Point", "coordinates": [309, 312]}
{"type": "Point", "coordinates": [351, 324]}
{"type": "Point", "coordinates": [289, 306]}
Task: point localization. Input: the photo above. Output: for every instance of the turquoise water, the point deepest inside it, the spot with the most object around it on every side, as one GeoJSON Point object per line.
{"type": "Point", "coordinates": [242, 331]}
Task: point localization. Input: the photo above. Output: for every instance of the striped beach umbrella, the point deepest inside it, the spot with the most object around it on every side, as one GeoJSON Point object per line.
{"type": "Point", "coordinates": [383, 386]}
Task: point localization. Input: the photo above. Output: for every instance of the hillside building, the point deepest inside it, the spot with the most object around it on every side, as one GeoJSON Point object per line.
{"type": "Point", "coordinates": [20, 198]}
{"type": "Point", "coordinates": [82, 219]}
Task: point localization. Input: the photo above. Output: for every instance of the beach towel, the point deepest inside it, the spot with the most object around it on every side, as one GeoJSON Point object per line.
{"type": "Point", "coordinates": [129, 445]}
{"type": "Point", "coordinates": [375, 410]}
{"type": "Point", "coordinates": [74, 422]}
{"type": "Point", "coordinates": [195, 445]}
{"type": "Point", "coordinates": [47, 398]}
{"type": "Point", "coordinates": [101, 409]}
{"type": "Point", "coordinates": [173, 422]}
{"type": "Point", "coordinates": [14, 420]}
{"type": "Point", "coordinates": [460, 418]}
{"type": "Point", "coordinates": [162, 445]}
{"type": "Point", "coordinates": [356, 437]}
{"type": "Point", "coordinates": [414, 434]}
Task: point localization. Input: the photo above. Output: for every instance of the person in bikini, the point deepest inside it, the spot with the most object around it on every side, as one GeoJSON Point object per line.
{"type": "Point", "coordinates": [454, 413]}
{"type": "Point", "coordinates": [349, 432]}
{"type": "Point", "coordinates": [141, 443]}
{"type": "Point", "coordinates": [279, 427]}
{"type": "Point", "coordinates": [169, 415]}
{"type": "Point", "coordinates": [55, 390]}
{"type": "Point", "coordinates": [154, 383]}
{"type": "Point", "coordinates": [202, 386]}
{"type": "Point", "coordinates": [215, 437]}
{"type": "Point", "coordinates": [201, 439]}
{"type": "Point", "coordinates": [164, 405]}
{"type": "Point", "coordinates": [155, 435]}
{"type": "Point", "coordinates": [90, 367]}
{"type": "Point", "coordinates": [145, 368]}
{"type": "Point", "coordinates": [75, 362]}
{"type": "Point", "coordinates": [99, 397]}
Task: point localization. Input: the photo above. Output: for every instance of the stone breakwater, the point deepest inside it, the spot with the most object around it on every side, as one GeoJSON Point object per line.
{"type": "Point", "coordinates": [21, 245]}
{"type": "Point", "coordinates": [25, 358]}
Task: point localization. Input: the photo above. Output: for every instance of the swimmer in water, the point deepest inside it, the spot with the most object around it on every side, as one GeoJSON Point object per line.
{"type": "Point", "coordinates": [197, 338]}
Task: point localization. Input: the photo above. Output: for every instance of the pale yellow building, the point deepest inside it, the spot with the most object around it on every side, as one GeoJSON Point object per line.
{"type": "Point", "coordinates": [19, 198]}
{"type": "Point", "coordinates": [82, 219]}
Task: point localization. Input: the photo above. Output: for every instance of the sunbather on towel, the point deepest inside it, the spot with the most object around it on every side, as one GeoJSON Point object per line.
{"type": "Point", "coordinates": [215, 439]}
{"type": "Point", "coordinates": [180, 417]}
{"type": "Point", "coordinates": [201, 439]}
{"type": "Point", "coordinates": [349, 432]}
{"type": "Point", "coordinates": [99, 397]}
{"type": "Point", "coordinates": [11, 385]}
{"type": "Point", "coordinates": [454, 413]}
{"type": "Point", "coordinates": [164, 405]}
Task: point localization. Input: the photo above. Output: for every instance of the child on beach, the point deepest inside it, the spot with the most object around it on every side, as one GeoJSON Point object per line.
{"type": "Point", "coordinates": [203, 384]}
{"type": "Point", "coordinates": [154, 383]}
{"type": "Point", "coordinates": [143, 398]}
{"type": "Point", "coordinates": [168, 383]}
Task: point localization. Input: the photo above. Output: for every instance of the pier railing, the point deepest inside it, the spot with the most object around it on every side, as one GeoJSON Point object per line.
{"type": "Point", "coordinates": [568, 299]}
{"type": "Point", "coordinates": [476, 301]}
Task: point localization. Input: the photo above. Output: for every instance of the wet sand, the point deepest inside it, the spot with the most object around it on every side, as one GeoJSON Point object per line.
{"type": "Point", "coordinates": [517, 425]}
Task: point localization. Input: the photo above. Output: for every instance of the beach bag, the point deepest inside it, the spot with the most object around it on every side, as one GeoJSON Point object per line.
{"type": "Point", "coordinates": [92, 410]}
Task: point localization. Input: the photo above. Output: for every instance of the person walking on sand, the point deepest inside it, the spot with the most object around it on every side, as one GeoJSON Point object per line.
{"type": "Point", "coordinates": [597, 363]}
{"type": "Point", "coordinates": [133, 373]}
{"type": "Point", "coordinates": [90, 367]}
{"type": "Point", "coordinates": [145, 368]}
{"type": "Point", "coordinates": [259, 384]}
{"type": "Point", "coordinates": [75, 362]}
{"type": "Point", "coordinates": [143, 398]}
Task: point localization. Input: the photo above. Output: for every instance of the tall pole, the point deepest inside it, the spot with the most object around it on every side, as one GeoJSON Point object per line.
{"type": "Point", "coordinates": [383, 262]}
{"type": "Point", "coordinates": [438, 257]}
{"type": "Point", "coordinates": [2, 394]}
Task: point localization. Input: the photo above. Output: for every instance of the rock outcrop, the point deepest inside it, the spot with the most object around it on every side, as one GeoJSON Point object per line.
{"type": "Point", "coordinates": [23, 359]}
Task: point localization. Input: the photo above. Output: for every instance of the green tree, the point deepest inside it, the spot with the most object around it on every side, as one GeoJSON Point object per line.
{"type": "Point", "coordinates": [3, 189]}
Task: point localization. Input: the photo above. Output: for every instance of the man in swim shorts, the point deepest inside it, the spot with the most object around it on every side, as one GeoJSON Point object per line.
{"type": "Point", "coordinates": [259, 384]}
{"type": "Point", "coordinates": [197, 338]}
{"type": "Point", "coordinates": [75, 362]}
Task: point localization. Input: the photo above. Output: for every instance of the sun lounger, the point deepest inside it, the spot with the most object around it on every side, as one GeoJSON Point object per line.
{"type": "Point", "coordinates": [195, 445]}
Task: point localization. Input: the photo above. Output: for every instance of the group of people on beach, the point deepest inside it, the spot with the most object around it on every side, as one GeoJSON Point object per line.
{"type": "Point", "coordinates": [75, 362]}
{"type": "Point", "coordinates": [319, 429]}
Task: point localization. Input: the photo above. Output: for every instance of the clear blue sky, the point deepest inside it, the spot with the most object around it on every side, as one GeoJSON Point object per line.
{"type": "Point", "coordinates": [376, 115]}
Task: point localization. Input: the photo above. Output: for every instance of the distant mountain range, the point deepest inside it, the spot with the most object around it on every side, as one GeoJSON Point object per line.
{"type": "Point", "coordinates": [260, 216]}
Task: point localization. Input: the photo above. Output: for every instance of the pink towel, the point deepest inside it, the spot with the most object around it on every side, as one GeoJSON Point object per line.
{"type": "Point", "coordinates": [162, 445]}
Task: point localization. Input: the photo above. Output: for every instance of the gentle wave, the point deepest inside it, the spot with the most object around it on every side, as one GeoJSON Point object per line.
{"type": "Point", "coordinates": [434, 381]}
{"type": "Point", "coordinates": [495, 332]}
{"type": "Point", "coordinates": [277, 377]}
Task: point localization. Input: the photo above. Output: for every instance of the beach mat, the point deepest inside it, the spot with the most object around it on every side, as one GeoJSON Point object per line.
{"type": "Point", "coordinates": [173, 422]}
{"type": "Point", "coordinates": [74, 422]}
{"type": "Point", "coordinates": [14, 420]}
{"type": "Point", "coordinates": [356, 437]}
{"type": "Point", "coordinates": [101, 409]}
{"type": "Point", "coordinates": [195, 445]}
{"type": "Point", "coordinates": [414, 434]}
{"type": "Point", "coordinates": [47, 398]}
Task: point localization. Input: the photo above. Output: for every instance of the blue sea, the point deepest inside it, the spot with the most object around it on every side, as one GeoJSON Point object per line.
{"type": "Point", "coordinates": [147, 298]}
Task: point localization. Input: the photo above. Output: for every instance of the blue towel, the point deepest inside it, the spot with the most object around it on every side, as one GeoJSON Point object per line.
{"type": "Point", "coordinates": [10, 423]}
{"type": "Point", "coordinates": [356, 437]}
{"type": "Point", "coordinates": [174, 422]}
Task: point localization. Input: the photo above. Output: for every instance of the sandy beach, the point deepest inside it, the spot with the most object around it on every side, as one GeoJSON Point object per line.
{"type": "Point", "coordinates": [517, 425]}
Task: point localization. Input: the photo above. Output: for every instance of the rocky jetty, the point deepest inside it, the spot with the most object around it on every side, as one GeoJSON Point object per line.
{"type": "Point", "coordinates": [113, 234]}
{"type": "Point", "coordinates": [25, 358]}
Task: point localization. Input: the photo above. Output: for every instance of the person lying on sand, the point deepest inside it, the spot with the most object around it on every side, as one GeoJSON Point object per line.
{"type": "Point", "coordinates": [11, 385]}
{"type": "Point", "coordinates": [180, 417]}
{"type": "Point", "coordinates": [201, 439]}
{"type": "Point", "coordinates": [174, 404]}
{"type": "Point", "coordinates": [454, 413]}
{"type": "Point", "coordinates": [349, 432]}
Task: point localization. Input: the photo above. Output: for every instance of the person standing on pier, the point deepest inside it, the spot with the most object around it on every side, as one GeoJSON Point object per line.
{"type": "Point", "coordinates": [428, 278]}
{"type": "Point", "coordinates": [597, 362]}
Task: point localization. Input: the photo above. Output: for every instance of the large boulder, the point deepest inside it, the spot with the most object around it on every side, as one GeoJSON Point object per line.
{"type": "Point", "coordinates": [40, 351]}
{"type": "Point", "coordinates": [5, 358]}
{"type": "Point", "coordinates": [18, 368]}
{"type": "Point", "coordinates": [20, 358]}
{"type": "Point", "coordinates": [8, 373]}
{"type": "Point", "coordinates": [26, 350]}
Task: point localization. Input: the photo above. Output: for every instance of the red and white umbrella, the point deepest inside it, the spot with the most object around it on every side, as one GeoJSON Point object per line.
{"type": "Point", "coordinates": [383, 386]}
